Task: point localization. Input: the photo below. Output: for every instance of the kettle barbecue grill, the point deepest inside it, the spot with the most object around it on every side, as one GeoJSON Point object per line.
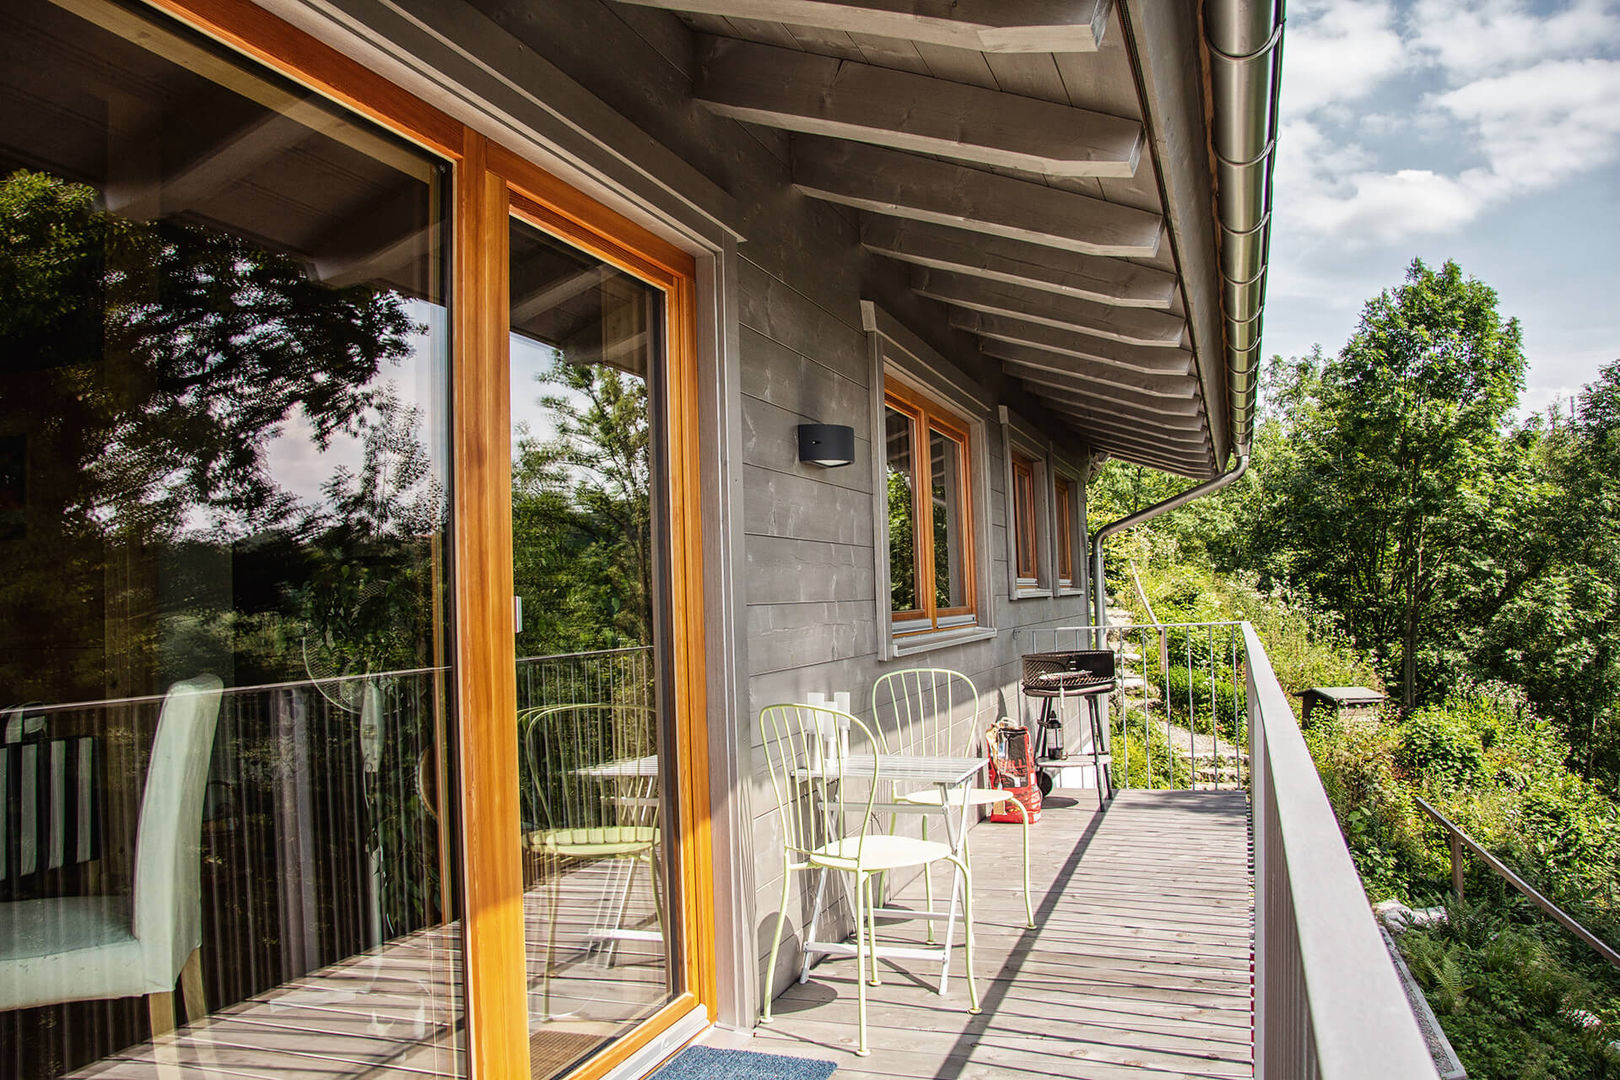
{"type": "Point", "coordinates": [1055, 677]}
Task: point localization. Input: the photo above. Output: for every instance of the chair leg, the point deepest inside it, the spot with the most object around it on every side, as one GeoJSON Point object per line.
{"type": "Point", "coordinates": [191, 985]}
{"type": "Point", "coordinates": [1029, 902]}
{"type": "Point", "coordinates": [871, 927]}
{"type": "Point", "coordinates": [553, 889]}
{"type": "Point", "coordinates": [928, 886]}
{"type": "Point", "coordinates": [655, 879]}
{"type": "Point", "coordinates": [776, 947]}
{"type": "Point", "coordinates": [815, 919]}
{"type": "Point", "coordinates": [950, 926]}
{"type": "Point", "coordinates": [860, 964]}
{"type": "Point", "coordinates": [160, 1008]}
{"type": "Point", "coordinates": [967, 925]}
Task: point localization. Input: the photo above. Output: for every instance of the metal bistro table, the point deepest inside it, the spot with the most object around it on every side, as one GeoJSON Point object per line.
{"type": "Point", "coordinates": [949, 773]}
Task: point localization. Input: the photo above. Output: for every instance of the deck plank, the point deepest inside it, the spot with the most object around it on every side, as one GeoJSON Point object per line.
{"type": "Point", "coordinates": [1139, 969]}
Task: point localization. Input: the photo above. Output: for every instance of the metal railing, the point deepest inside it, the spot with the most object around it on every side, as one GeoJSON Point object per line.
{"type": "Point", "coordinates": [1457, 840]}
{"type": "Point", "coordinates": [1328, 1002]}
{"type": "Point", "coordinates": [1177, 717]}
{"type": "Point", "coordinates": [603, 677]}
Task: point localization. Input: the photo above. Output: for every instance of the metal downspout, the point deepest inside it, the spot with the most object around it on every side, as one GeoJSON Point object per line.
{"type": "Point", "coordinates": [1099, 591]}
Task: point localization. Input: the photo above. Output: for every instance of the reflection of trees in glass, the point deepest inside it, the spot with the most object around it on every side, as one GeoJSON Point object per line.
{"type": "Point", "coordinates": [902, 543]}
{"type": "Point", "coordinates": [581, 515]}
{"type": "Point", "coordinates": [150, 366]}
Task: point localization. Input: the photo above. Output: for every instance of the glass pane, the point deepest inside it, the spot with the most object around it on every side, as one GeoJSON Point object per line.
{"type": "Point", "coordinates": [596, 847]}
{"type": "Point", "coordinates": [223, 476]}
{"type": "Point", "coordinates": [900, 432]}
{"type": "Point", "coordinates": [950, 586]}
{"type": "Point", "coordinates": [1024, 517]}
{"type": "Point", "coordinates": [1064, 534]}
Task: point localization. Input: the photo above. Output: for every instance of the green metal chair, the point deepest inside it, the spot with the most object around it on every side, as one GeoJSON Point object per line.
{"type": "Point", "coordinates": [593, 783]}
{"type": "Point", "coordinates": [827, 827]}
{"type": "Point", "coordinates": [924, 704]}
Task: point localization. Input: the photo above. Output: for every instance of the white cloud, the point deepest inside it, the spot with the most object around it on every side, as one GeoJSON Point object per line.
{"type": "Point", "coordinates": [1542, 124]}
{"type": "Point", "coordinates": [1468, 38]}
{"type": "Point", "coordinates": [1368, 157]}
{"type": "Point", "coordinates": [1338, 52]}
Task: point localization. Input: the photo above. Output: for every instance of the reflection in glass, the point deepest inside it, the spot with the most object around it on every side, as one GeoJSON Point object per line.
{"type": "Point", "coordinates": [223, 468]}
{"type": "Point", "coordinates": [899, 430]}
{"type": "Point", "coordinates": [585, 340]}
{"type": "Point", "coordinates": [1024, 517]}
{"type": "Point", "coordinates": [945, 455]}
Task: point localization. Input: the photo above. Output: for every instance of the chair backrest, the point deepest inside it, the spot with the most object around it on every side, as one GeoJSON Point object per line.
{"type": "Point", "coordinates": [928, 708]}
{"type": "Point", "coordinates": [166, 908]}
{"type": "Point", "coordinates": [569, 750]}
{"type": "Point", "coordinates": [807, 748]}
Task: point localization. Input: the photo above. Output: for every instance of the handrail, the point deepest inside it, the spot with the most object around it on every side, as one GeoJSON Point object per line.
{"type": "Point", "coordinates": [1328, 1002]}
{"type": "Point", "coordinates": [1458, 839]}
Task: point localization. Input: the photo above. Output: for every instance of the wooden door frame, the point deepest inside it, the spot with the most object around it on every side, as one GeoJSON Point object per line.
{"type": "Point", "coordinates": [490, 184]}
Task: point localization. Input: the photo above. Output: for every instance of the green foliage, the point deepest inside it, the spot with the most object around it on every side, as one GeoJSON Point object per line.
{"type": "Point", "coordinates": [1436, 744]}
{"type": "Point", "coordinates": [581, 514]}
{"type": "Point", "coordinates": [1512, 998]}
{"type": "Point", "coordinates": [1402, 438]}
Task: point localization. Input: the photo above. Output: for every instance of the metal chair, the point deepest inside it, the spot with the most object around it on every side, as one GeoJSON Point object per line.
{"type": "Point", "coordinates": [826, 827]}
{"type": "Point", "coordinates": [924, 703]}
{"type": "Point", "coordinates": [593, 789]}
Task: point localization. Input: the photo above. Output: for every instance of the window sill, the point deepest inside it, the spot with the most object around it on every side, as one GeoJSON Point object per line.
{"type": "Point", "coordinates": [915, 644]}
{"type": "Point", "coordinates": [1067, 591]}
{"type": "Point", "coordinates": [1032, 592]}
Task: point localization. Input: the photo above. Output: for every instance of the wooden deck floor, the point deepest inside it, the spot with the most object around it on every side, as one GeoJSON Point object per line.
{"type": "Point", "coordinates": [1139, 967]}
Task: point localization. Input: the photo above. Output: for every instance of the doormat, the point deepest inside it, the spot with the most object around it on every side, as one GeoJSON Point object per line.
{"type": "Point", "coordinates": [551, 1053]}
{"type": "Point", "coordinates": [712, 1063]}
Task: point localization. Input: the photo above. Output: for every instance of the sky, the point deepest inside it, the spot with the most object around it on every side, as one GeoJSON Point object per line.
{"type": "Point", "coordinates": [1482, 131]}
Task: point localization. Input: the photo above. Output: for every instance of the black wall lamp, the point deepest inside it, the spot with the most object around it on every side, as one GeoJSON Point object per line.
{"type": "Point", "coordinates": [829, 445]}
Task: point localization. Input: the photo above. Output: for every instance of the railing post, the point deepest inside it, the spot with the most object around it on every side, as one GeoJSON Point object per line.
{"type": "Point", "coordinates": [1455, 842]}
{"type": "Point", "coordinates": [1257, 839]}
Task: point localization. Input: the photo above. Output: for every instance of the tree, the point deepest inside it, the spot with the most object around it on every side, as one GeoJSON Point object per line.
{"type": "Point", "coordinates": [1395, 491]}
{"type": "Point", "coordinates": [582, 514]}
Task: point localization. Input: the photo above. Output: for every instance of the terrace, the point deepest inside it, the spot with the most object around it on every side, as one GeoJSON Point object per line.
{"type": "Point", "coordinates": [1152, 954]}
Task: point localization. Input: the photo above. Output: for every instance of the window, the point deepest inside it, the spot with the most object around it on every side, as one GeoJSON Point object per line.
{"type": "Point", "coordinates": [931, 573]}
{"type": "Point", "coordinates": [1023, 522]}
{"type": "Point", "coordinates": [1063, 500]}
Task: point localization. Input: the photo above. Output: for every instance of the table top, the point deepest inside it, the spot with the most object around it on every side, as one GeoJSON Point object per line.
{"type": "Point", "coordinates": [946, 770]}
{"type": "Point", "coordinates": [641, 767]}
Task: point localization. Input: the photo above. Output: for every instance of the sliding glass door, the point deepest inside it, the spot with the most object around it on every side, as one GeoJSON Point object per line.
{"type": "Point", "coordinates": [224, 477]}
{"type": "Point", "coordinates": [294, 778]}
{"type": "Point", "coordinates": [586, 353]}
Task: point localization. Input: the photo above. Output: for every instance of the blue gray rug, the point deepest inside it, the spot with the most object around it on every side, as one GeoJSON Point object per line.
{"type": "Point", "coordinates": [709, 1063]}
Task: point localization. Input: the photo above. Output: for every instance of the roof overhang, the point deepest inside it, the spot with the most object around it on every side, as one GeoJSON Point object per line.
{"type": "Point", "coordinates": [1084, 185]}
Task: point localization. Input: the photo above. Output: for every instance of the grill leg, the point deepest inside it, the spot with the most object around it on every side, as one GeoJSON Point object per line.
{"type": "Point", "coordinates": [1096, 753]}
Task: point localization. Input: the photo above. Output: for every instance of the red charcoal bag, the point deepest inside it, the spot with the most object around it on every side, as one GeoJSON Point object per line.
{"type": "Point", "coordinates": [1012, 769]}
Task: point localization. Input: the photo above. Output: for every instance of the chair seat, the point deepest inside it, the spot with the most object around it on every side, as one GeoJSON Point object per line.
{"type": "Point", "coordinates": [978, 796]}
{"type": "Point", "coordinates": [879, 851]}
{"type": "Point", "coordinates": [69, 948]}
{"type": "Point", "coordinates": [602, 842]}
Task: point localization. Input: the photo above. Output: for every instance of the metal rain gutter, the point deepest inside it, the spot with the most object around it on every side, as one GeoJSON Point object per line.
{"type": "Point", "coordinates": [1244, 38]}
{"type": "Point", "coordinates": [1099, 597]}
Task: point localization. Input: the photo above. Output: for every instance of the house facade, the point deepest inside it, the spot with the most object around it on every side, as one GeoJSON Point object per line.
{"type": "Point", "coordinates": [400, 436]}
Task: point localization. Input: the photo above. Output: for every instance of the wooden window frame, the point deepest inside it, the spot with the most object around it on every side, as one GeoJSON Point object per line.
{"type": "Point", "coordinates": [1021, 518]}
{"type": "Point", "coordinates": [491, 185]}
{"type": "Point", "coordinates": [1064, 507]}
{"type": "Point", "coordinates": [929, 416]}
